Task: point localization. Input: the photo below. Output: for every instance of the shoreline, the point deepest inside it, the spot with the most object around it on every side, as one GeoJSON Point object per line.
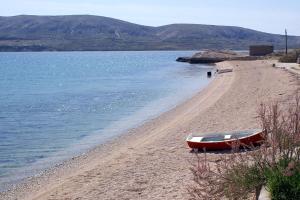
{"type": "Point", "coordinates": [67, 162]}
{"type": "Point", "coordinates": [121, 168]}
{"type": "Point", "coordinates": [60, 168]}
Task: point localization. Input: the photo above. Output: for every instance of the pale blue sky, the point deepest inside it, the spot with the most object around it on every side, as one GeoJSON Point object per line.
{"type": "Point", "coordinates": [264, 15]}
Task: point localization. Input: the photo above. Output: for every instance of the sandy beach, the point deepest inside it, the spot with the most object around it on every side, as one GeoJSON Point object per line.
{"type": "Point", "coordinates": [152, 161]}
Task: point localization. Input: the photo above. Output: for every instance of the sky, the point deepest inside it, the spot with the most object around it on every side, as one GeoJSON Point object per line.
{"type": "Point", "coordinates": [271, 16]}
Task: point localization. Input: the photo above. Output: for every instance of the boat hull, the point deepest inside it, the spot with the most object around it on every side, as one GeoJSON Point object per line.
{"type": "Point", "coordinates": [252, 140]}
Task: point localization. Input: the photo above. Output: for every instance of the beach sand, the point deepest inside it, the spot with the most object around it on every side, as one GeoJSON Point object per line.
{"type": "Point", "coordinates": [153, 160]}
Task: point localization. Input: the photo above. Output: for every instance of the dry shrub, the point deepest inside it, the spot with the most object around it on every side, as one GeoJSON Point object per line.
{"type": "Point", "coordinates": [291, 57]}
{"type": "Point", "coordinates": [242, 172]}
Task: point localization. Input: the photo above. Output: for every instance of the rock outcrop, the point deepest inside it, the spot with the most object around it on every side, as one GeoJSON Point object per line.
{"type": "Point", "coordinates": [210, 56]}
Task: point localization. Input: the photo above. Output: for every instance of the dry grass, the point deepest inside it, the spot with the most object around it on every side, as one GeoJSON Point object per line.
{"type": "Point", "coordinates": [291, 57]}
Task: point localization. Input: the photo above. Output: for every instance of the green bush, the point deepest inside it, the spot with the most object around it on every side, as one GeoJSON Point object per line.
{"type": "Point", "coordinates": [283, 181]}
{"type": "Point", "coordinates": [243, 178]}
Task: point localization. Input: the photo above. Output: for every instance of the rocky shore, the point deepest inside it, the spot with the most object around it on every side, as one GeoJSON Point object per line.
{"type": "Point", "coordinates": [214, 56]}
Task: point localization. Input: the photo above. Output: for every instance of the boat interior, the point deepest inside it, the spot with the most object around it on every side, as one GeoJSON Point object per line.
{"type": "Point", "coordinates": [215, 137]}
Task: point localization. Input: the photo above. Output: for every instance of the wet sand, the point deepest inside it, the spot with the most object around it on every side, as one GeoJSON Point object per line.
{"type": "Point", "coordinates": [152, 161]}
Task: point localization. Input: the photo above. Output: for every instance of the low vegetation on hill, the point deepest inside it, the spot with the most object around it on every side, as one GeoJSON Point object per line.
{"type": "Point", "coordinates": [91, 33]}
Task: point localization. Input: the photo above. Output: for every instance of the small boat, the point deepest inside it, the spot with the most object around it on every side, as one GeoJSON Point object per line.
{"type": "Point", "coordinates": [223, 141]}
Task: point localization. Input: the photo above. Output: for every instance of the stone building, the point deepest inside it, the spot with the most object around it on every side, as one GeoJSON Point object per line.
{"type": "Point", "coordinates": [260, 50]}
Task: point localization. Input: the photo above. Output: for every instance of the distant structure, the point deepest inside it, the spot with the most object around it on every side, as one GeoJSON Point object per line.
{"type": "Point", "coordinates": [261, 50]}
{"type": "Point", "coordinates": [286, 42]}
{"type": "Point", "coordinates": [298, 60]}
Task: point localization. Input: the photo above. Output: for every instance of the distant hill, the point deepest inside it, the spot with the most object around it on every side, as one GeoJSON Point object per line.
{"type": "Point", "coordinates": [91, 33]}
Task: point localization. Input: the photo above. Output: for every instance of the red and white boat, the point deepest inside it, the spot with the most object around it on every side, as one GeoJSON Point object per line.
{"type": "Point", "coordinates": [223, 141]}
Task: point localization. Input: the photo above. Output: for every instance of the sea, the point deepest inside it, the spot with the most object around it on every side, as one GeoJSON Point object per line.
{"type": "Point", "coordinates": [56, 105]}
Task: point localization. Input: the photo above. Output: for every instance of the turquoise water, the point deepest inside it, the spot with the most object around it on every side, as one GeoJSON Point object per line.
{"type": "Point", "coordinates": [54, 105]}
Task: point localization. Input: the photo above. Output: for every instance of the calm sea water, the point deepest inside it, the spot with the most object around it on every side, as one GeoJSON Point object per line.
{"type": "Point", "coordinates": [56, 105]}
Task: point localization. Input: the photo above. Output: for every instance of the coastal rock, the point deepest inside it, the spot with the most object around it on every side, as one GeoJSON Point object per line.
{"type": "Point", "coordinates": [183, 59]}
{"type": "Point", "coordinates": [215, 54]}
{"type": "Point", "coordinates": [210, 56]}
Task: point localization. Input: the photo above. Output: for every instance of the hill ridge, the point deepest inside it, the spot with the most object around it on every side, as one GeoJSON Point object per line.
{"type": "Point", "coordinates": [99, 33]}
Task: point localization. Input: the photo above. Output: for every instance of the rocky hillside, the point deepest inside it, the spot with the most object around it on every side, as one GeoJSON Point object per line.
{"type": "Point", "coordinates": [90, 33]}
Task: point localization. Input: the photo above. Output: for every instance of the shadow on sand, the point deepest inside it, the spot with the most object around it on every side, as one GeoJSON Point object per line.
{"type": "Point", "coordinates": [225, 151]}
